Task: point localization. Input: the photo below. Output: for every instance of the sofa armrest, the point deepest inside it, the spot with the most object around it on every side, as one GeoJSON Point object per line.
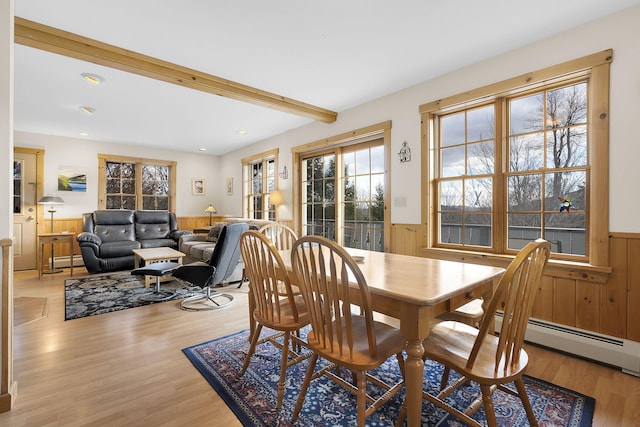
{"type": "Point", "coordinates": [87, 237]}
{"type": "Point", "coordinates": [177, 234]}
{"type": "Point", "coordinates": [191, 238]}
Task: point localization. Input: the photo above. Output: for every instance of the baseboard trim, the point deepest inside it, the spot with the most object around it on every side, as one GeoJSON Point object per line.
{"type": "Point", "coordinates": [7, 399]}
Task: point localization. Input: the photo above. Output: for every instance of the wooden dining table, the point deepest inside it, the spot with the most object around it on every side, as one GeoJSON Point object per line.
{"type": "Point", "coordinates": [415, 290]}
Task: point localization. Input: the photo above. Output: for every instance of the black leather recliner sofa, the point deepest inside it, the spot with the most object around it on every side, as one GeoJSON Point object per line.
{"type": "Point", "coordinates": [109, 237]}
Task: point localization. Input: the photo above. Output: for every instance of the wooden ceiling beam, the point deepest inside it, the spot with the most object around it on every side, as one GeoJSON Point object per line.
{"type": "Point", "coordinates": [50, 39]}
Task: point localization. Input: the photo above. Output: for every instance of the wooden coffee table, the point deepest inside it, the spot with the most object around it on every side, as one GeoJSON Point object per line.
{"type": "Point", "coordinates": [153, 255]}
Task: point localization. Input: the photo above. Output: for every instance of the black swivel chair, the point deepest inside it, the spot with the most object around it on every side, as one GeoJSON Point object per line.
{"type": "Point", "coordinates": [206, 275]}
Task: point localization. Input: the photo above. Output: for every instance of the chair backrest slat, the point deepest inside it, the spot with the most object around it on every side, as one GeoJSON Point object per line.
{"type": "Point", "coordinates": [280, 235]}
{"type": "Point", "coordinates": [514, 295]}
{"type": "Point", "coordinates": [329, 280]}
{"type": "Point", "coordinates": [269, 284]}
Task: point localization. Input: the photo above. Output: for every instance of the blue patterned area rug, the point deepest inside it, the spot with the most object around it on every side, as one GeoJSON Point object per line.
{"type": "Point", "coordinates": [252, 397]}
{"type": "Point", "coordinates": [92, 295]}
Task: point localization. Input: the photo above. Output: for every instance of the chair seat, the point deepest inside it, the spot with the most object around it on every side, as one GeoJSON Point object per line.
{"type": "Point", "coordinates": [451, 342]}
{"type": "Point", "coordinates": [287, 319]}
{"type": "Point", "coordinates": [388, 339]}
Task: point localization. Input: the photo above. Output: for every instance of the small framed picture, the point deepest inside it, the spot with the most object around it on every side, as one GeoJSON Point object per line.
{"type": "Point", "coordinates": [229, 186]}
{"type": "Point", "coordinates": [197, 186]}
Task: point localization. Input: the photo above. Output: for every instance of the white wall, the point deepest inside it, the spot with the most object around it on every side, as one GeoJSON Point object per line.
{"type": "Point", "coordinates": [619, 32]}
{"type": "Point", "coordinates": [83, 153]}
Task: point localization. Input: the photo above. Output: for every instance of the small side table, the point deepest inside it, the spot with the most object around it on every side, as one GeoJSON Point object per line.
{"type": "Point", "coordinates": [52, 239]}
{"type": "Point", "coordinates": [202, 230]}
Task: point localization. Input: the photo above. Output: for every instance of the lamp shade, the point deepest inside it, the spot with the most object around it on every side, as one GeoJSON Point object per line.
{"type": "Point", "coordinates": [210, 210]}
{"type": "Point", "coordinates": [51, 200]}
{"type": "Point", "coordinates": [275, 198]}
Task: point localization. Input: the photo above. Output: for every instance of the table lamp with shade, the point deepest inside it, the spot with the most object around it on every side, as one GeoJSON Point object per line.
{"type": "Point", "coordinates": [52, 201]}
{"type": "Point", "coordinates": [210, 210]}
{"type": "Point", "coordinates": [276, 199]}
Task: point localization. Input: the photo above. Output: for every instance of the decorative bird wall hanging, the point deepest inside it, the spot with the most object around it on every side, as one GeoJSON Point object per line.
{"type": "Point", "coordinates": [565, 204]}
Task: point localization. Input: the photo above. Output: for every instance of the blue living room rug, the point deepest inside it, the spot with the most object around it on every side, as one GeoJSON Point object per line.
{"type": "Point", "coordinates": [252, 397]}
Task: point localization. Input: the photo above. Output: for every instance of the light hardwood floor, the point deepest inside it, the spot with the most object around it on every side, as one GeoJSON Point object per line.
{"type": "Point", "coordinates": [127, 369]}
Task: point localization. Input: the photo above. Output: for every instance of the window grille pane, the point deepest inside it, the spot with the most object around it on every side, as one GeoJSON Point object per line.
{"type": "Point", "coordinates": [480, 158]}
{"type": "Point", "coordinates": [128, 170]}
{"type": "Point", "coordinates": [480, 124]}
{"type": "Point", "coordinates": [451, 228]}
{"type": "Point", "coordinates": [524, 193]}
{"type": "Point", "coordinates": [566, 232]}
{"type": "Point", "coordinates": [451, 195]}
{"type": "Point", "coordinates": [113, 186]}
{"type": "Point", "coordinates": [477, 229]}
{"type": "Point", "coordinates": [526, 152]}
{"type": "Point", "coordinates": [452, 129]}
{"type": "Point", "coordinates": [567, 147]}
{"type": "Point", "coordinates": [377, 159]}
{"type": "Point", "coordinates": [565, 185]}
{"type": "Point", "coordinates": [453, 161]}
{"type": "Point", "coordinates": [526, 114]}
{"type": "Point", "coordinates": [128, 187]}
{"type": "Point", "coordinates": [478, 194]}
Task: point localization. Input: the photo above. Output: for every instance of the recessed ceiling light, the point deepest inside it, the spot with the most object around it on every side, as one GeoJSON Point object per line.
{"type": "Point", "coordinates": [93, 78]}
{"type": "Point", "coordinates": [241, 132]}
{"type": "Point", "coordinates": [87, 110]}
{"type": "Point", "coordinates": [202, 149]}
{"type": "Point", "coordinates": [84, 134]}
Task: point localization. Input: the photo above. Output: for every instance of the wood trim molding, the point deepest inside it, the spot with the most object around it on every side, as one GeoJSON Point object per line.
{"type": "Point", "coordinates": [50, 39]}
{"type": "Point", "coordinates": [7, 385]}
{"type": "Point", "coordinates": [538, 77]}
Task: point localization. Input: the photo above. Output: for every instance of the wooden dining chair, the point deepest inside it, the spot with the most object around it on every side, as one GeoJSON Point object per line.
{"type": "Point", "coordinates": [285, 314]}
{"type": "Point", "coordinates": [330, 282]}
{"type": "Point", "coordinates": [280, 235]}
{"type": "Point", "coordinates": [470, 313]}
{"type": "Point", "coordinates": [480, 356]}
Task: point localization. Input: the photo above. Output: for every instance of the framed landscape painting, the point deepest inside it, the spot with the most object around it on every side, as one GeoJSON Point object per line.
{"type": "Point", "coordinates": [72, 179]}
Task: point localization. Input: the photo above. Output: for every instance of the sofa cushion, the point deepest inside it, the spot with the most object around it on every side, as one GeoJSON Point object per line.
{"type": "Point", "coordinates": [198, 251]}
{"type": "Point", "coordinates": [118, 249]}
{"type": "Point", "coordinates": [152, 231]}
{"type": "Point", "coordinates": [215, 230]}
{"type": "Point", "coordinates": [114, 225]}
{"type": "Point", "coordinates": [158, 243]}
{"type": "Point", "coordinates": [152, 224]}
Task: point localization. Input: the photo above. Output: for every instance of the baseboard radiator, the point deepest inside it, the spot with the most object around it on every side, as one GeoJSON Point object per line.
{"type": "Point", "coordinates": [613, 351]}
{"type": "Point", "coordinates": [65, 261]}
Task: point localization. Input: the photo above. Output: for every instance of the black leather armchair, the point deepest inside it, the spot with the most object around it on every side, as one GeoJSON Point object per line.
{"type": "Point", "coordinates": [206, 275]}
{"type": "Point", "coordinates": [109, 237]}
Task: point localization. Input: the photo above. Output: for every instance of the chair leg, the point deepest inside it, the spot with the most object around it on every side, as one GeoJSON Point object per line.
{"type": "Point", "coordinates": [362, 398]}
{"type": "Point", "coordinates": [283, 368]}
{"type": "Point", "coordinates": [157, 295]}
{"type": "Point", "coordinates": [305, 385]}
{"type": "Point", "coordinates": [445, 378]}
{"type": "Point", "coordinates": [252, 348]}
{"type": "Point", "coordinates": [525, 402]}
{"type": "Point", "coordinates": [487, 400]}
{"type": "Point", "coordinates": [210, 300]}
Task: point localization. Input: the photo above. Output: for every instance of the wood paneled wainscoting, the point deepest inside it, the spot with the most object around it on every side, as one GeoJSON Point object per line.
{"type": "Point", "coordinates": [74, 225]}
{"type": "Point", "coordinates": [601, 300]}
{"type": "Point", "coordinates": [592, 299]}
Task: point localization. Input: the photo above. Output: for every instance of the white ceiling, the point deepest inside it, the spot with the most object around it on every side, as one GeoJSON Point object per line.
{"type": "Point", "coordinates": [334, 54]}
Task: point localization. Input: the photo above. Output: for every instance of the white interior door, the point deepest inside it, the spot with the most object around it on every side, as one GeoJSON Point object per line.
{"type": "Point", "coordinates": [24, 211]}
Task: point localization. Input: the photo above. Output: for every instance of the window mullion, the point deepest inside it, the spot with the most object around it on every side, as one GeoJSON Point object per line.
{"type": "Point", "coordinates": [500, 176]}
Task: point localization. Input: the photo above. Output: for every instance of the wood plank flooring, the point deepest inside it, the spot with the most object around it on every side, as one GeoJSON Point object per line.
{"type": "Point", "coordinates": [126, 368]}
